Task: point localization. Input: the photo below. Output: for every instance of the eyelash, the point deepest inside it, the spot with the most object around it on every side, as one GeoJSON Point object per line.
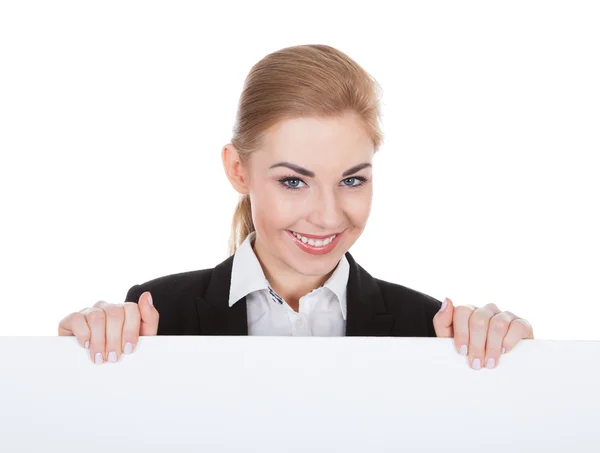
{"type": "Point", "coordinates": [285, 179]}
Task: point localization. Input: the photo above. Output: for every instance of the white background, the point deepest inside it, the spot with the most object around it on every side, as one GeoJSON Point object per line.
{"type": "Point", "coordinates": [113, 116]}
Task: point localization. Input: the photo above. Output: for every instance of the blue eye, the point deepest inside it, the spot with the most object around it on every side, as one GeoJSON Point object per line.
{"type": "Point", "coordinates": [289, 180]}
{"type": "Point", "coordinates": [294, 181]}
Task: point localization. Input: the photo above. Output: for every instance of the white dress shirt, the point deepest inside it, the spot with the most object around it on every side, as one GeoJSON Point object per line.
{"type": "Point", "coordinates": [322, 311]}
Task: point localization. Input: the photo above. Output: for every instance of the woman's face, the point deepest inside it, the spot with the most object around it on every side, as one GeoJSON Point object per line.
{"type": "Point", "coordinates": [324, 194]}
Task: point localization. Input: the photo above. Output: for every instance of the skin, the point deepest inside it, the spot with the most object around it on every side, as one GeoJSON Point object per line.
{"type": "Point", "coordinates": [328, 202]}
{"type": "Point", "coordinates": [482, 332]}
{"type": "Point", "coordinates": [321, 205]}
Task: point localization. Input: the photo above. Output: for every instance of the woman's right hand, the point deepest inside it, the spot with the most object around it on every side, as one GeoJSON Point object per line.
{"type": "Point", "coordinates": [108, 330]}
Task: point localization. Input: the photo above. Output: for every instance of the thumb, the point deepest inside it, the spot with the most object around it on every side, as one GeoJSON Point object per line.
{"type": "Point", "coordinates": [149, 315]}
{"type": "Point", "coordinates": [442, 321]}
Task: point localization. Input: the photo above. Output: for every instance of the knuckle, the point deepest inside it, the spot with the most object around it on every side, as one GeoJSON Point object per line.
{"type": "Point", "coordinates": [499, 325]}
{"type": "Point", "coordinates": [478, 321]}
{"type": "Point", "coordinates": [132, 316]}
{"type": "Point", "coordinates": [69, 319]}
{"type": "Point", "coordinates": [463, 311]}
{"type": "Point", "coordinates": [95, 317]}
{"type": "Point", "coordinates": [131, 325]}
{"type": "Point", "coordinates": [76, 316]}
{"type": "Point", "coordinates": [113, 311]}
{"type": "Point", "coordinates": [131, 307]}
{"type": "Point", "coordinates": [485, 313]}
{"type": "Point", "coordinates": [492, 307]}
{"type": "Point", "coordinates": [523, 323]}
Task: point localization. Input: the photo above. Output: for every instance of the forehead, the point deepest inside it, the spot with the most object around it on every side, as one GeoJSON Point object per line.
{"type": "Point", "coordinates": [308, 140]}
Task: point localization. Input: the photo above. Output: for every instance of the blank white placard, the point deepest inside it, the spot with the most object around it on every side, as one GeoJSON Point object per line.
{"type": "Point", "coordinates": [273, 394]}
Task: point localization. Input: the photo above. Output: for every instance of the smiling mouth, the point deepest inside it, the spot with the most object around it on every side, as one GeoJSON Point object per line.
{"type": "Point", "coordinates": [319, 241]}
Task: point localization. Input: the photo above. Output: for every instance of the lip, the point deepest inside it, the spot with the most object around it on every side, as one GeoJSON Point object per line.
{"type": "Point", "coordinates": [315, 250]}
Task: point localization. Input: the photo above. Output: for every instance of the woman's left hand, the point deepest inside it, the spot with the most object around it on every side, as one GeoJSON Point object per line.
{"type": "Point", "coordinates": [482, 333]}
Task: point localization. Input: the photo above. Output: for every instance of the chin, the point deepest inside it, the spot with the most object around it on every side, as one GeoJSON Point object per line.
{"type": "Point", "coordinates": [314, 270]}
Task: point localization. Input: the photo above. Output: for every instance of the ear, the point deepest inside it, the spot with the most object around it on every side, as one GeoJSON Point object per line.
{"type": "Point", "coordinates": [236, 171]}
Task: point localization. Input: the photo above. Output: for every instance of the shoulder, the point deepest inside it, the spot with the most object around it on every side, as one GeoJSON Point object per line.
{"type": "Point", "coordinates": [394, 293]}
{"type": "Point", "coordinates": [173, 285]}
{"type": "Point", "coordinates": [414, 310]}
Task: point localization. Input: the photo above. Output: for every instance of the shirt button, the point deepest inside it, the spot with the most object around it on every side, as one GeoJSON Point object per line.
{"type": "Point", "coordinates": [299, 323]}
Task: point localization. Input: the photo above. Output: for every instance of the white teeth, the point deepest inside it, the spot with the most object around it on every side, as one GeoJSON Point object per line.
{"type": "Point", "coordinates": [314, 243]}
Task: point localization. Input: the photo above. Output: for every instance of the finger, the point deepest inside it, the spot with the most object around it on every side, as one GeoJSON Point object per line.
{"type": "Point", "coordinates": [442, 321]}
{"type": "Point", "coordinates": [96, 319]}
{"type": "Point", "coordinates": [462, 313]}
{"type": "Point", "coordinates": [75, 324]}
{"type": "Point", "coordinates": [131, 327]}
{"type": "Point", "coordinates": [149, 315]}
{"type": "Point", "coordinates": [497, 330]}
{"type": "Point", "coordinates": [519, 329]}
{"type": "Point", "coordinates": [478, 332]}
{"type": "Point", "coordinates": [115, 317]}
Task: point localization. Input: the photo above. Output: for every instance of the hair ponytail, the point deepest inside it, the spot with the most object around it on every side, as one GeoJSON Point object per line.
{"type": "Point", "coordinates": [242, 224]}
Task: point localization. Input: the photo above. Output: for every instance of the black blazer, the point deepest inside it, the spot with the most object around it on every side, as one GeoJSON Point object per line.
{"type": "Point", "coordinates": [196, 303]}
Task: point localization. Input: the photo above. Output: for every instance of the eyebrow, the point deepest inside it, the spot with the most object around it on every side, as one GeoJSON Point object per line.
{"type": "Point", "coordinates": [310, 174]}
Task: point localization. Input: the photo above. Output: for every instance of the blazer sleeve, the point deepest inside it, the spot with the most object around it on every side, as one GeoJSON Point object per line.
{"type": "Point", "coordinates": [431, 310]}
{"type": "Point", "coordinates": [174, 297]}
{"type": "Point", "coordinates": [133, 294]}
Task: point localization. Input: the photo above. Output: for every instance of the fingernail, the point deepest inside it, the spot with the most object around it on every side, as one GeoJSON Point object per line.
{"type": "Point", "coordinates": [476, 364]}
{"type": "Point", "coordinates": [99, 358]}
{"type": "Point", "coordinates": [112, 357]}
{"type": "Point", "coordinates": [503, 350]}
{"type": "Point", "coordinates": [463, 350]}
{"type": "Point", "coordinates": [128, 348]}
{"type": "Point", "coordinates": [87, 344]}
{"type": "Point", "coordinates": [150, 299]}
{"type": "Point", "coordinates": [444, 304]}
{"type": "Point", "coordinates": [490, 363]}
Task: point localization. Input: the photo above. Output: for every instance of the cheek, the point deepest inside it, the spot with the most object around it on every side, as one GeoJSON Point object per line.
{"type": "Point", "coordinates": [273, 210]}
{"type": "Point", "coordinates": [358, 208]}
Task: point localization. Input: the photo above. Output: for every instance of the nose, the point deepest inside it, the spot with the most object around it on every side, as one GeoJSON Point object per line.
{"type": "Point", "coordinates": [327, 212]}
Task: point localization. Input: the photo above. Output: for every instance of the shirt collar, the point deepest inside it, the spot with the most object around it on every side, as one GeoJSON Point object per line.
{"type": "Point", "coordinates": [247, 275]}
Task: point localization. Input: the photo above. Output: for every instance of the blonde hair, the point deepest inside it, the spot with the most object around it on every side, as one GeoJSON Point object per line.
{"type": "Point", "coordinates": [313, 80]}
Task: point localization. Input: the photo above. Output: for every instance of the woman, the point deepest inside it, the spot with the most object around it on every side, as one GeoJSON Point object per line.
{"type": "Point", "coordinates": [306, 130]}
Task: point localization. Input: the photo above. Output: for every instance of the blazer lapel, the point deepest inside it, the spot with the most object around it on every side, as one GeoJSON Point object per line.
{"type": "Point", "coordinates": [216, 317]}
{"type": "Point", "coordinates": [366, 311]}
